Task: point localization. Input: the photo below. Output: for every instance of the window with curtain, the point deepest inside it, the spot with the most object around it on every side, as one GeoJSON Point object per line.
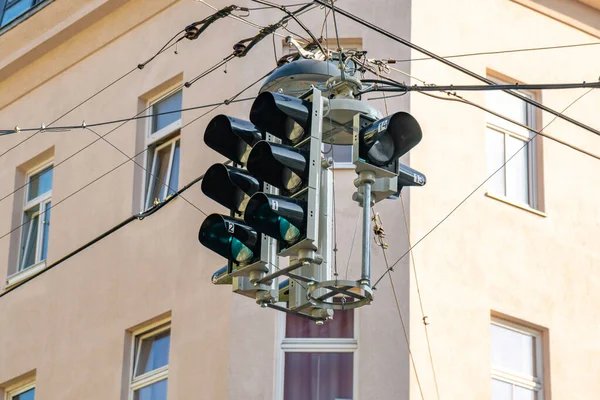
{"type": "Point", "coordinates": [319, 360]}
{"type": "Point", "coordinates": [508, 143]}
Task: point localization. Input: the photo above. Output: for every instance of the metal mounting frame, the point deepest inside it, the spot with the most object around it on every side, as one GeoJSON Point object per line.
{"type": "Point", "coordinates": [340, 287]}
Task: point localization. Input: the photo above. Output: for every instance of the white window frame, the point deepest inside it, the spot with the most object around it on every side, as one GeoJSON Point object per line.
{"type": "Point", "coordinates": [531, 122]}
{"type": "Point", "coordinates": [313, 345]}
{"type": "Point", "coordinates": [41, 201]}
{"type": "Point", "coordinates": [159, 374]}
{"type": "Point", "coordinates": [153, 145]}
{"type": "Point", "coordinates": [18, 389]}
{"type": "Point", "coordinates": [151, 179]}
{"type": "Point", "coordinates": [536, 382]}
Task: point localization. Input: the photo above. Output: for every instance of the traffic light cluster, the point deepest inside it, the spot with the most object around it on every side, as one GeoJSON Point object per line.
{"type": "Point", "coordinates": [273, 202]}
{"type": "Point", "coordinates": [278, 185]}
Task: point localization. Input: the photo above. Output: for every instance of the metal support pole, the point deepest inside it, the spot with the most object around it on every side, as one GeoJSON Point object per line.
{"type": "Point", "coordinates": [366, 244]}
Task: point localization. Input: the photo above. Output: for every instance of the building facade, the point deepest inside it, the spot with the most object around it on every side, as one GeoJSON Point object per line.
{"type": "Point", "coordinates": [497, 301]}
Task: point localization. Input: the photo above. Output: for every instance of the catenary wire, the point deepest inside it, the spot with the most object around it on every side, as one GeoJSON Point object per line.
{"type": "Point", "coordinates": [163, 49]}
{"type": "Point", "coordinates": [123, 122]}
{"type": "Point", "coordinates": [128, 220]}
{"type": "Point", "coordinates": [412, 359]}
{"type": "Point", "coordinates": [103, 175]}
{"type": "Point", "coordinates": [437, 390]}
{"type": "Point", "coordinates": [457, 67]}
{"type": "Point", "coordinates": [169, 188]}
{"type": "Point", "coordinates": [475, 190]}
{"type": "Point", "coordinates": [484, 53]}
{"type": "Point", "coordinates": [295, 18]}
{"type": "Point", "coordinates": [358, 213]}
{"type": "Point", "coordinates": [423, 316]}
{"type": "Point", "coordinates": [247, 22]}
{"type": "Point", "coordinates": [460, 99]}
{"type": "Point", "coordinates": [335, 248]}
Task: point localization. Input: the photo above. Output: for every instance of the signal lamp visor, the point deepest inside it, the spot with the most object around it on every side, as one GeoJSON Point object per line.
{"type": "Point", "coordinates": [229, 238]}
{"type": "Point", "coordinates": [282, 166]}
{"type": "Point", "coordinates": [229, 186]}
{"type": "Point", "coordinates": [232, 137]}
{"type": "Point", "coordinates": [283, 116]}
{"type": "Point", "coordinates": [389, 138]}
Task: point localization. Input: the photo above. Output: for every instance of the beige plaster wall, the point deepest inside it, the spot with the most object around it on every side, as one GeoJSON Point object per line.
{"type": "Point", "coordinates": [489, 256]}
{"type": "Point", "coordinates": [71, 324]}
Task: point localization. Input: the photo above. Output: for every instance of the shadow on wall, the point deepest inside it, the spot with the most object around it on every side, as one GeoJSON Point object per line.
{"type": "Point", "coordinates": [581, 14]}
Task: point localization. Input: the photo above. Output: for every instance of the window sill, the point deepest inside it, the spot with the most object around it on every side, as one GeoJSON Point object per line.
{"type": "Point", "coordinates": [25, 274]}
{"type": "Point", "coordinates": [514, 204]}
{"type": "Point", "coordinates": [343, 165]}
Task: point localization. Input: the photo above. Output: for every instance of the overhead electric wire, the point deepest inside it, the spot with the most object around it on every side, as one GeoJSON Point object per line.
{"type": "Point", "coordinates": [503, 87]}
{"type": "Point", "coordinates": [247, 22]}
{"type": "Point", "coordinates": [423, 316]}
{"type": "Point", "coordinates": [169, 188]}
{"type": "Point", "coordinates": [295, 18]}
{"type": "Point", "coordinates": [485, 53]}
{"type": "Point", "coordinates": [455, 66]}
{"type": "Point", "coordinates": [412, 359]}
{"type": "Point", "coordinates": [163, 49]}
{"type": "Point", "coordinates": [127, 221]}
{"type": "Point", "coordinates": [460, 99]}
{"type": "Point", "coordinates": [112, 230]}
{"type": "Point", "coordinates": [474, 190]}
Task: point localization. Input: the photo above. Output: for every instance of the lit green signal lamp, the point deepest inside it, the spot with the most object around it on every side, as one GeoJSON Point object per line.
{"type": "Point", "coordinates": [279, 217]}
{"type": "Point", "coordinates": [231, 239]}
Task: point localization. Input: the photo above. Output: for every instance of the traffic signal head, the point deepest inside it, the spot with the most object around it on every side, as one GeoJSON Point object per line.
{"type": "Point", "coordinates": [285, 117]}
{"type": "Point", "coordinates": [229, 186]}
{"type": "Point", "coordinates": [284, 167]}
{"type": "Point", "coordinates": [232, 137]}
{"type": "Point", "coordinates": [279, 217]}
{"type": "Point", "coordinates": [230, 238]}
{"type": "Point", "coordinates": [383, 142]}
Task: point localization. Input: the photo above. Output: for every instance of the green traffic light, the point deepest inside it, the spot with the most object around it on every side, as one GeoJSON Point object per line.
{"type": "Point", "coordinates": [288, 232]}
{"type": "Point", "coordinates": [241, 253]}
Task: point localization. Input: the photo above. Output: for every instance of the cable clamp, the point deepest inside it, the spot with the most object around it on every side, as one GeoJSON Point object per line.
{"type": "Point", "coordinates": [83, 125]}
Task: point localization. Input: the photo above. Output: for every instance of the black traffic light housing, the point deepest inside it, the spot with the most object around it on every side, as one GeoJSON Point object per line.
{"type": "Point", "coordinates": [293, 167]}
{"type": "Point", "coordinates": [231, 137]}
{"type": "Point", "coordinates": [229, 186]}
{"type": "Point", "coordinates": [230, 238]}
{"type": "Point", "coordinates": [378, 144]}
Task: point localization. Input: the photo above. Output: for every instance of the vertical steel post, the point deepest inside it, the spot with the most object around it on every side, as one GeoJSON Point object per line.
{"type": "Point", "coordinates": [366, 244]}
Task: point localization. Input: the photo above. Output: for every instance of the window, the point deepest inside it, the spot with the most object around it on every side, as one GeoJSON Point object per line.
{"type": "Point", "coordinates": [318, 361]}
{"type": "Point", "coordinates": [12, 9]}
{"type": "Point", "coordinates": [36, 217]}
{"type": "Point", "coordinates": [516, 180]}
{"type": "Point", "coordinates": [22, 393]}
{"type": "Point", "coordinates": [516, 354]}
{"type": "Point", "coordinates": [151, 363]}
{"type": "Point", "coordinates": [163, 141]}
{"type": "Point", "coordinates": [341, 153]}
